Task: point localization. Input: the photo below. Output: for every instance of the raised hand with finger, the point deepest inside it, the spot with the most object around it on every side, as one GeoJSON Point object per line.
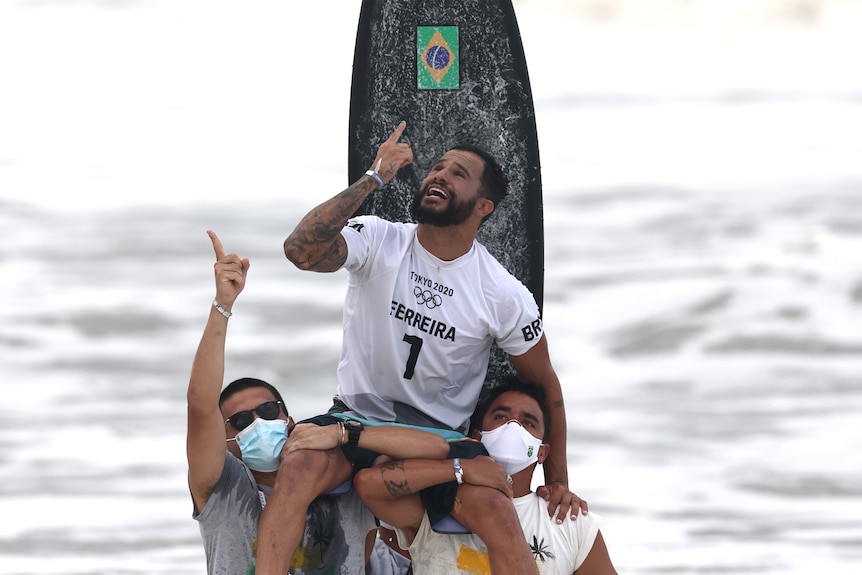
{"type": "Point", "coordinates": [230, 274]}
{"type": "Point", "coordinates": [392, 155]}
{"type": "Point", "coordinates": [316, 242]}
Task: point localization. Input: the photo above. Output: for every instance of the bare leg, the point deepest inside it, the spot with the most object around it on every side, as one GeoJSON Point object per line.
{"type": "Point", "coordinates": [598, 561]}
{"type": "Point", "coordinates": [490, 514]}
{"type": "Point", "coordinates": [303, 475]}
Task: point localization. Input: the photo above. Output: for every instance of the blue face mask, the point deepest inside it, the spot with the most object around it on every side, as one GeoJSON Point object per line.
{"type": "Point", "coordinates": [260, 443]}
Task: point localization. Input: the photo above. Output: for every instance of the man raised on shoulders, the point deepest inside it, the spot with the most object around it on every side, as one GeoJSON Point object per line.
{"type": "Point", "coordinates": [420, 358]}
{"type": "Point", "coordinates": [408, 355]}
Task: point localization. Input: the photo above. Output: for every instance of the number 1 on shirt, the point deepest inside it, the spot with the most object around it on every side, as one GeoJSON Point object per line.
{"type": "Point", "coordinates": [415, 346]}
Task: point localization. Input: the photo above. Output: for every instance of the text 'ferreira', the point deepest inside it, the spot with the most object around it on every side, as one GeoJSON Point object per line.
{"type": "Point", "coordinates": [422, 322]}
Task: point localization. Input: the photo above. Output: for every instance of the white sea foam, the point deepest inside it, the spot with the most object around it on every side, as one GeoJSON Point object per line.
{"type": "Point", "coordinates": [702, 294]}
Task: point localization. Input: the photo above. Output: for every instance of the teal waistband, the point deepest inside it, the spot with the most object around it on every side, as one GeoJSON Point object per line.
{"type": "Point", "coordinates": [447, 434]}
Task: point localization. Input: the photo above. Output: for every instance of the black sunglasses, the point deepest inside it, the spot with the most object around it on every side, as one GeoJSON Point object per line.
{"type": "Point", "coordinates": [267, 410]}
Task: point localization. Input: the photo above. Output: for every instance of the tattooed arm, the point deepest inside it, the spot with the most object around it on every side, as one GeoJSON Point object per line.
{"type": "Point", "coordinates": [391, 490]}
{"type": "Point", "coordinates": [316, 244]}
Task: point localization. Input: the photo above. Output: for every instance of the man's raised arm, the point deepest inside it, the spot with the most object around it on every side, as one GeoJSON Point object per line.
{"type": "Point", "coordinates": [316, 243]}
{"type": "Point", "coordinates": [205, 438]}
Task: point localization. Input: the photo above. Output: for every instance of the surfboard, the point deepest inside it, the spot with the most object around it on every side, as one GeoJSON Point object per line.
{"type": "Point", "coordinates": [456, 72]}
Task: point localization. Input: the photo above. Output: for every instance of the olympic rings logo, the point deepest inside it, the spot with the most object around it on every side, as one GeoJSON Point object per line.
{"type": "Point", "coordinates": [427, 298]}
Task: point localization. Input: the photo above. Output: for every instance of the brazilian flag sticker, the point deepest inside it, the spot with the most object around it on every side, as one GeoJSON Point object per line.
{"type": "Point", "coordinates": [437, 66]}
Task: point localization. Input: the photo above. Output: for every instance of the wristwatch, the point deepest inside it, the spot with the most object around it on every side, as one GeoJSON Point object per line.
{"type": "Point", "coordinates": [354, 428]}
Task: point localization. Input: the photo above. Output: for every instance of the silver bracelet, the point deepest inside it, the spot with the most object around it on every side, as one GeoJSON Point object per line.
{"type": "Point", "coordinates": [459, 474]}
{"type": "Point", "coordinates": [221, 310]}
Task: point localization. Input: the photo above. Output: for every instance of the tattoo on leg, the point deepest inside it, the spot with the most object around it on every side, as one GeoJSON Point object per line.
{"type": "Point", "coordinates": [396, 486]}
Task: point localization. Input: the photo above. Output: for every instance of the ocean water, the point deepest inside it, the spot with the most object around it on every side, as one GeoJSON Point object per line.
{"type": "Point", "coordinates": [703, 220]}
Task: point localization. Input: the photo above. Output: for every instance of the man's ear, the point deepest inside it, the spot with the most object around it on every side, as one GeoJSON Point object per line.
{"type": "Point", "coordinates": [484, 207]}
{"type": "Point", "coordinates": [544, 452]}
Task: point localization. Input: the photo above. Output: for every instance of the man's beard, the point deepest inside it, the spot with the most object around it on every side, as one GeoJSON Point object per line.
{"type": "Point", "coordinates": [454, 214]}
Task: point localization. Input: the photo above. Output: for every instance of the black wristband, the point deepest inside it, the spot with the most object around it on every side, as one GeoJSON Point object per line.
{"type": "Point", "coordinates": [354, 429]}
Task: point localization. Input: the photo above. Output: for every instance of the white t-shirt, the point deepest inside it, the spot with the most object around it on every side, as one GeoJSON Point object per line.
{"type": "Point", "coordinates": [385, 561]}
{"type": "Point", "coordinates": [418, 330]}
{"type": "Point", "coordinates": [557, 549]}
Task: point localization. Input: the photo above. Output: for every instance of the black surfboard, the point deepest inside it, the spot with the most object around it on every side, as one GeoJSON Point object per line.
{"type": "Point", "coordinates": [455, 71]}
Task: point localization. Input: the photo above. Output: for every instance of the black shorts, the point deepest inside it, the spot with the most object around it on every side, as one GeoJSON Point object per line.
{"type": "Point", "coordinates": [359, 457]}
{"type": "Point", "coordinates": [439, 499]}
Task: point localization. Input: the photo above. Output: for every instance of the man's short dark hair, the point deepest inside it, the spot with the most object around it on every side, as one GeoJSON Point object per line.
{"type": "Point", "coordinates": [242, 383]}
{"type": "Point", "coordinates": [506, 384]}
{"type": "Point", "coordinates": [495, 184]}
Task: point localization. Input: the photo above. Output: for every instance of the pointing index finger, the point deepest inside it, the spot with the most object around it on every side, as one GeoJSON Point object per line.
{"type": "Point", "coordinates": [396, 135]}
{"type": "Point", "coordinates": [217, 247]}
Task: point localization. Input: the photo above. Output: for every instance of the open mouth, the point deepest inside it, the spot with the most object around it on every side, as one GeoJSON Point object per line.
{"type": "Point", "coordinates": [437, 192]}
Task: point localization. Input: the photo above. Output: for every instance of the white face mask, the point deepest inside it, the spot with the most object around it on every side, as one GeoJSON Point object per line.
{"type": "Point", "coordinates": [512, 446]}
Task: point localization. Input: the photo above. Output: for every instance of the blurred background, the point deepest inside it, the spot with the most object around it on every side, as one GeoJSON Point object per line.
{"type": "Point", "coordinates": [703, 220]}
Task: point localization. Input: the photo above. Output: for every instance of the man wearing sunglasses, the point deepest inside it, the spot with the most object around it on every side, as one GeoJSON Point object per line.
{"type": "Point", "coordinates": [234, 443]}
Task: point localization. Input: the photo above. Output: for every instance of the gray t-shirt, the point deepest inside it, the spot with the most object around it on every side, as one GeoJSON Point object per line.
{"type": "Point", "coordinates": [335, 528]}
